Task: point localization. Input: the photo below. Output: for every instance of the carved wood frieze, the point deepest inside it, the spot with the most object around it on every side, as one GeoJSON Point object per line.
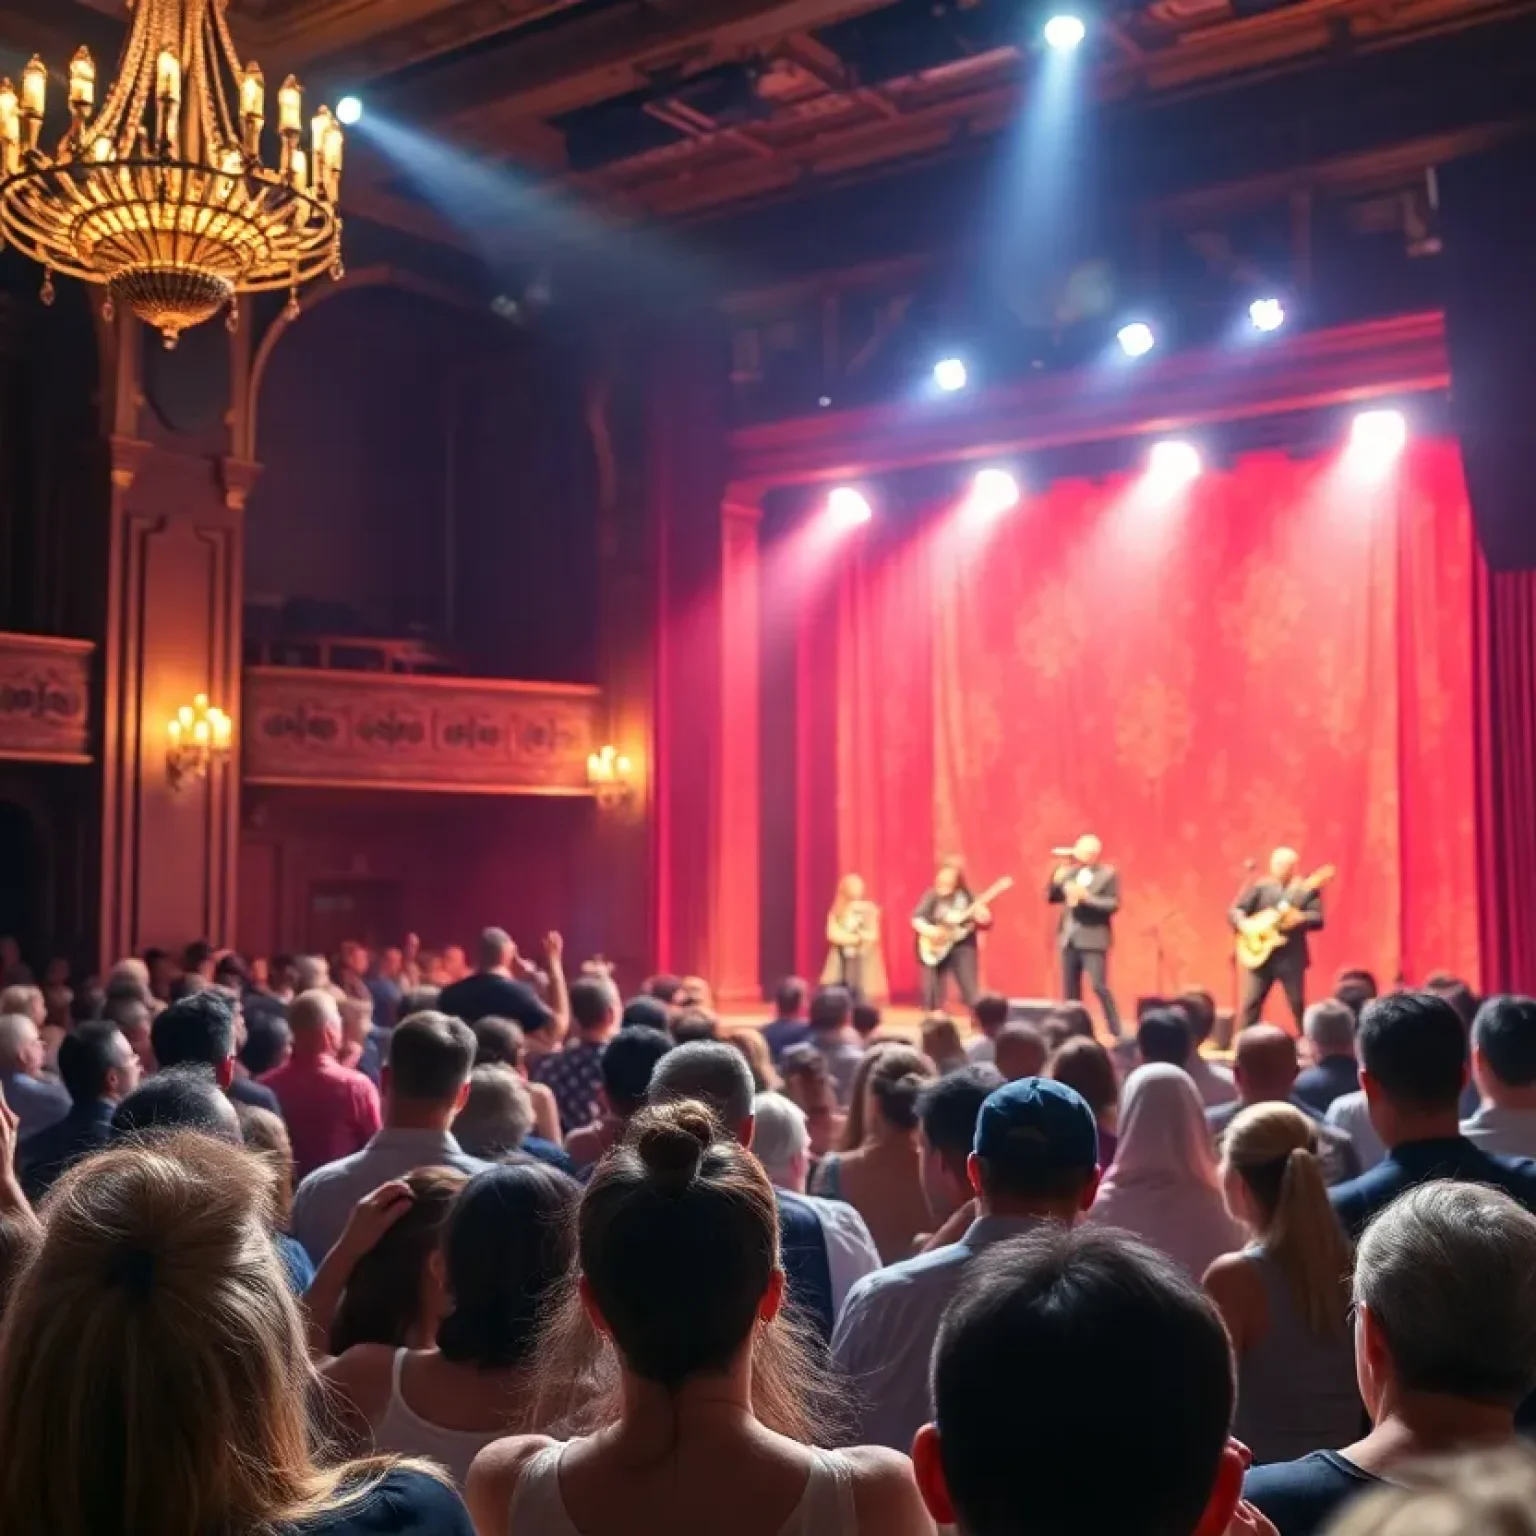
{"type": "Point", "coordinates": [45, 699]}
{"type": "Point", "coordinates": [446, 734]}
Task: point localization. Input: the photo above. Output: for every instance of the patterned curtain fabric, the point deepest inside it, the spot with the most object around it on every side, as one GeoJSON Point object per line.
{"type": "Point", "coordinates": [1280, 653]}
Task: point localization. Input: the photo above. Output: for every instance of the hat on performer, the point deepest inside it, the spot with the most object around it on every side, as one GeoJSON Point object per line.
{"type": "Point", "coordinates": [1035, 1124]}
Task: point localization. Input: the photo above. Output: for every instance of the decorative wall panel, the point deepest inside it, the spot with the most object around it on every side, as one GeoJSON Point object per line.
{"type": "Point", "coordinates": [45, 694]}
{"type": "Point", "coordinates": [446, 734]}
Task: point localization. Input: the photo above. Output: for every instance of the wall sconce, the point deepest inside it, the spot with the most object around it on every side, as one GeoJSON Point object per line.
{"type": "Point", "coordinates": [199, 733]}
{"type": "Point", "coordinates": [612, 777]}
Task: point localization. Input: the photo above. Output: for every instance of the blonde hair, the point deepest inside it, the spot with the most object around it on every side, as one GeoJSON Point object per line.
{"type": "Point", "coordinates": [1273, 1148]}
{"type": "Point", "coordinates": [1483, 1493]}
{"type": "Point", "coordinates": [153, 1327]}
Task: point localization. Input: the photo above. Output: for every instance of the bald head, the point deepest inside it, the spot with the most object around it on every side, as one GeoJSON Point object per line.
{"type": "Point", "coordinates": [1087, 849]}
{"type": "Point", "coordinates": [1265, 1064]}
{"type": "Point", "coordinates": [314, 1020]}
{"type": "Point", "coordinates": [1282, 864]}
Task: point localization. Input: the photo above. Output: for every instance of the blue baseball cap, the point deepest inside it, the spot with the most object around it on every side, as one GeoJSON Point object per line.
{"type": "Point", "coordinates": [1037, 1123]}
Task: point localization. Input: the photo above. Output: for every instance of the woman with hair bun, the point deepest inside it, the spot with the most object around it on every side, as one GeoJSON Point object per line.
{"type": "Point", "coordinates": [1285, 1297]}
{"type": "Point", "coordinates": [701, 1399]}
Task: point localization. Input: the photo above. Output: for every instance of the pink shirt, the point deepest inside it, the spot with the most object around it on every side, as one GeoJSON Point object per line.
{"type": "Point", "coordinates": [331, 1110]}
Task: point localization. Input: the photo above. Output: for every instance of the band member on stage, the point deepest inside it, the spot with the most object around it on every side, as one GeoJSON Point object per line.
{"type": "Point", "coordinates": [1281, 891]}
{"type": "Point", "coordinates": [947, 900]}
{"type": "Point", "coordinates": [1088, 892]}
{"type": "Point", "coordinates": [854, 958]}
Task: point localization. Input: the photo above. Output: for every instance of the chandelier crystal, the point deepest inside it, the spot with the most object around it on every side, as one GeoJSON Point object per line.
{"type": "Point", "coordinates": [161, 195]}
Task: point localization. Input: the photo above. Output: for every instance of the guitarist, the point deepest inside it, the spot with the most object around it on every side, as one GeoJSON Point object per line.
{"type": "Point", "coordinates": [1088, 892]}
{"type": "Point", "coordinates": [1288, 965]}
{"type": "Point", "coordinates": [945, 901]}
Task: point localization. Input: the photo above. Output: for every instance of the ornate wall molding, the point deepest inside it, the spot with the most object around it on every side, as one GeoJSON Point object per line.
{"type": "Point", "coordinates": [45, 699]}
{"type": "Point", "coordinates": [449, 735]}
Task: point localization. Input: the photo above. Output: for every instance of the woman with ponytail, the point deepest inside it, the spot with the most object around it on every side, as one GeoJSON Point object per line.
{"type": "Point", "coordinates": [701, 1400]}
{"type": "Point", "coordinates": [1285, 1297]}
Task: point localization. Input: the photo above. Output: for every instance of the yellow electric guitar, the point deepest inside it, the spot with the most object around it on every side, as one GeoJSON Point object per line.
{"type": "Point", "coordinates": [936, 949]}
{"type": "Point", "coordinates": [1262, 934]}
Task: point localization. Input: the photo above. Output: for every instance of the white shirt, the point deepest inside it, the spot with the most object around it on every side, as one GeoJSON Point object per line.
{"type": "Point", "coordinates": [885, 1333]}
{"type": "Point", "coordinates": [1508, 1132]}
{"type": "Point", "coordinates": [982, 1052]}
{"type": "Point", "coordinates": [1349, 1113]}
{"type": "Point", "coordinates": [851, 1251]}
{"type": "Point", "coordinates": [1214, 1082]}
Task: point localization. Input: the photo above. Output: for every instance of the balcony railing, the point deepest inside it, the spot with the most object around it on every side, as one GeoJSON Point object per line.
{"type": "Point", "coordinates": [45, 698]}
{"type": "Point", "coordinates": [453, 735]}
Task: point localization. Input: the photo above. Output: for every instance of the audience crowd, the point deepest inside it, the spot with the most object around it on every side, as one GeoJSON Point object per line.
{"type": "Point", "coordinates": [400, 1243]}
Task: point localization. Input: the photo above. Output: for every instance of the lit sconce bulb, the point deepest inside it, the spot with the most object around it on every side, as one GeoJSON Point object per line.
{"type": "Point", "coordinates": [625, 767]}
{"type": "Point", "coordinates": [200, 733]}
{"type": "Point", "coordinates": [319, 129]}
{"type": "Point", "coordinates": [185, 717]}
{"type": "Point", "coordinates": [173, 730]}
{"type": "Point", "coordinates": [335, 148]}
{"type": "Point", "coordinates": [168, 77]}
{"type": "Point", "coordinates": [82, 81]}
{"type": "Point", "coordinates": [34, 87]}
{"type": "Point", "coordinates": [101, 150]}
{"type": "Point", "coordinates": [253, 92]}
{"type": "Point", "coordinates": [299, 167]}
{"type": "Point", "coordinates": [290, 107]}
{"type": "Point", "coordinates": [200, 702]}
{"type": "Point", "coordinates": [10, 113]}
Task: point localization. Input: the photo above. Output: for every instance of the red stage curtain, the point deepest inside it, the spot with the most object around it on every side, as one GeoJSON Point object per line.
{"type": "Point", "coordinates": [1278, 654]}
{"type": "Point", "coordinates": [1506, 743]}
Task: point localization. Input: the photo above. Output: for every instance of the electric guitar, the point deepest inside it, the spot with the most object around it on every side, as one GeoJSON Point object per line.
{"type": "Point", "coordinates": [935, 950]}
{"type": "Point", "coordinates": [1263, 933]}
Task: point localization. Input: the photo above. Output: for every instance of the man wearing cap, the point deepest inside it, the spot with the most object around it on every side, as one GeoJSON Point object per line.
{"type": "Point", "coordinates": [1036, 1159]}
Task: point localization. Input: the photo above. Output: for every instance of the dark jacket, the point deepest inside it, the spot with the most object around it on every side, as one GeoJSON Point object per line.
{"type": "Point", "coordinates": [1270, 893]}
{"type": "Point", "coordinates": [1088, 925]}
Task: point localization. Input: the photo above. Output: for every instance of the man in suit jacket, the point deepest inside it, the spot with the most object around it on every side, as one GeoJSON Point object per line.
{"type": "Point", "coordinates": [1288, 965]}
{"type": "Point", "coordinates": [1088, 892]}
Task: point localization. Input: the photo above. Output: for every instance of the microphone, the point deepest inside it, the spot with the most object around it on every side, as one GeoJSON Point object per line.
{"type": "Point", "coordinates": [1063, 853]}
{"type": "Point", "coordinates": [1250, 864]}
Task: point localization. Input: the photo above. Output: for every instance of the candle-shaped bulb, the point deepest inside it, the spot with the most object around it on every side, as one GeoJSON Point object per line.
{"type": "Point", "coordinates": [290, 107]}
{"type": "Point", "coordinates": [253, 92]}
{"type": "Point", "coordinates": [299, 166]}
{"type": "Point", "coordinates": [102, 149]}
{"type": "Point", "coordinates": [185, 716]}
{"type": "Point", "coordinates": [34, 87]}
{"type": "Point", "coordinates": [82, 81]}
{"type": "Point", "coordinates": [319, 129]}
{"type": "Point", "coordinates": [200, 733]}
{"type": "Point", "coordinates": [168, 77]}
{"type": "Point", "coordinates": [173, 729]}
{"type": "Point", "coordinates": [200, 702]}
{"type": "Point", "coordinates": [10, 113]}
{"type": "Point", "coordinates": [335, 147]}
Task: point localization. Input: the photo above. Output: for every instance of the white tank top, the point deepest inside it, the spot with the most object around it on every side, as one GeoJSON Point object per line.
{"type": "Point", "coordinates": [403, 1430]}
{"type": "Point", "coordinates": [826, 1508]}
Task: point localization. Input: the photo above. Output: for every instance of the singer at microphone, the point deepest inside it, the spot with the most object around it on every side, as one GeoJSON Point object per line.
{"type": "Point", "coordinates": [1088, 892]}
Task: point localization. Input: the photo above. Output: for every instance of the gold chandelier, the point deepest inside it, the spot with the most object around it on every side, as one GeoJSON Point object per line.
{"type": "Point", "coordinates": [161, 195]}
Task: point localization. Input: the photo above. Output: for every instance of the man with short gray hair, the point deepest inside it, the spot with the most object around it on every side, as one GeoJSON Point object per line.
{"type": "Point", "coordinates": [1445, 1345]}
{"type": "Point", "coordinates": [37, 1104]}
{"type": "Point", "coordinates": [1330, 1026]}
{"type": "Point", "coordinates": [781, 1141]}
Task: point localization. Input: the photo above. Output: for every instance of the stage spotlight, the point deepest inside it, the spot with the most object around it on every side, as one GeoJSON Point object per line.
{"type": "Point", "coordinates": [1376, 438]}
{"type": "Point", "coordinates": [349, 111]}
{"type": "Point", "coordinates": [1173, 463]}
{"type": "Point", "coordinates": [951, 374]}
{"type": "Point", "coordinates": [1064, 33]}
{"type": "Point", "coordinates": [848, 507]}
{"type": "Point", "coordinates": [1136, 339]}
{"type": "Point", "coordinates": [1267, 314]}
{"type": "Point", "coordinates": [994, 491]}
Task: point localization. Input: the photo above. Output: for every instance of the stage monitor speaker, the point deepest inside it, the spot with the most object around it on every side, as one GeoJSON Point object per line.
{"type": "Point", "coordinates": [1030, 1010]}
{"type": "Point", "coordinates": [1488, 229]}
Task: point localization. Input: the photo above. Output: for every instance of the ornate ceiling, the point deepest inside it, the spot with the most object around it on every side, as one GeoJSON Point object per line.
{"type": "Point", "coordinates": [685, 108]}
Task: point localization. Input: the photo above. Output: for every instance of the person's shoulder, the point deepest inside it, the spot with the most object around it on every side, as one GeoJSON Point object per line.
{"type": "Point", "coordinates": [885, 1496]}
{"type": "Point", "coordinates": [1518, 1174]}
{"type": "Point", "coordinates": [493, 1478]}
{"type": "Point", "coordinates": [365, 1373]}
{"type": "Point", "coordinates": [1300, 1495]}
{"type": "Point", "coordinates": [839, 1214]}
{"type": "Point", "coordinates": [327, 1174]}
{"type": "Point", "coordinates": [406, 1501]}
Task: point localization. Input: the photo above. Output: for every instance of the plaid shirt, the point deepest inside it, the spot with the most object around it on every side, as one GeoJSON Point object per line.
{"type": "Point", "coordinates": [573, 1076]}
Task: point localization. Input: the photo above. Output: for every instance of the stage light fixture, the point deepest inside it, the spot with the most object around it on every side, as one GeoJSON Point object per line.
{"type": "Point", "coordinates": [1377, 437]}
{"type": "Point", "coordinates": [1064, 33]}
{"type": "Point", "coordinates": [1136, 339]}
{"type": "Point", "coordinates": [951, 374]}
{"type": "Point", "coordinates": [848, 507]}
{"type": "Point", "coordinates": [1173, 463]}
{"type": "Point", "coordinates": [994, 491]}
{"type": "Point", "coordinates": [1267, 314]}
{"type": "Point", "coordinates": [349, 110]}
